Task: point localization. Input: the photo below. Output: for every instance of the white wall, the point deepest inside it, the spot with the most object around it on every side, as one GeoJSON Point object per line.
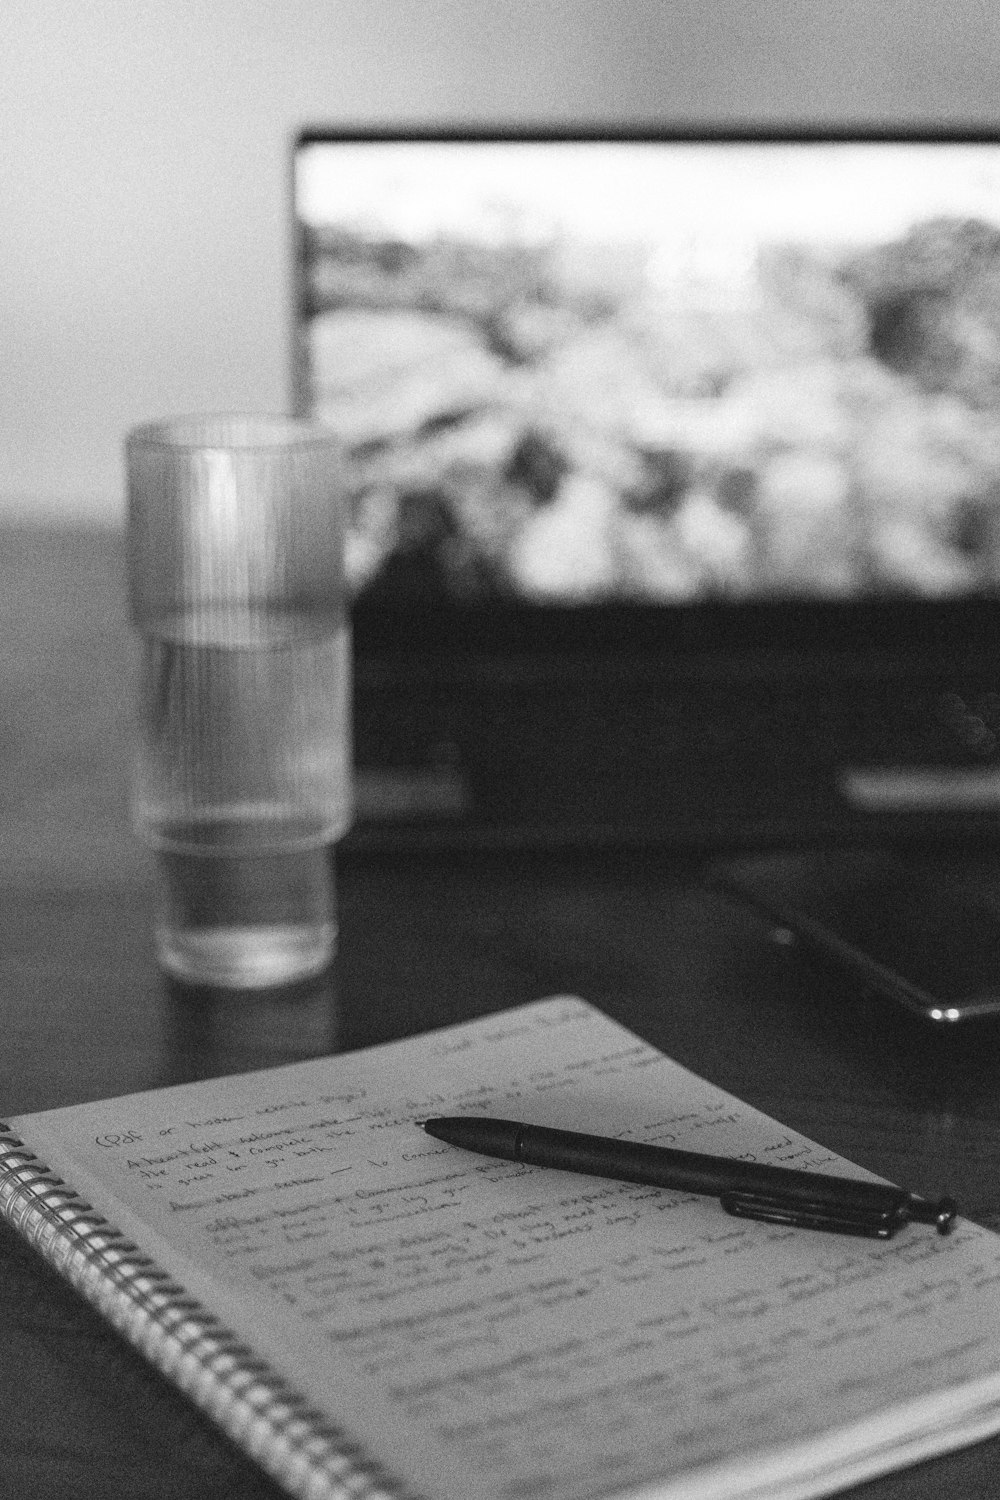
{"type": "Point", "coordinates": [144, 144]}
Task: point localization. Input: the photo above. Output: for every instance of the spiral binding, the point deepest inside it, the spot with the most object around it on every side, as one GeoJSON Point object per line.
{"type": "Point", "coordinates": [259, 1410]}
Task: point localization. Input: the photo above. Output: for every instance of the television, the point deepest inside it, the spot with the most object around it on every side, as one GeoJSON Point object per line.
{"type": "Point", "coordinates": [673, 467]}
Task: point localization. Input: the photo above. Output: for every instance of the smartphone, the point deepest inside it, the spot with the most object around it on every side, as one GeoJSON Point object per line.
{"type": "Point", "coordinates": [890, 929]}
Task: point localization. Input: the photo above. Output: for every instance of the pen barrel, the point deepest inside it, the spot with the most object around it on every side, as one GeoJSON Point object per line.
{"type": "Point", "coordinates": [749, 1189]}
{"type": "Point", "coordinates": [696, 1172]}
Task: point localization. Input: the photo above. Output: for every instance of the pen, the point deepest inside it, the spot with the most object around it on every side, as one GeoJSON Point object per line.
{"type": "Point", "coordinates": [748, 1189]}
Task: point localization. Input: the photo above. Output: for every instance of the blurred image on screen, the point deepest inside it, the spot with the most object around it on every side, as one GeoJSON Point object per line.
{"type": "Point", "coordinates": [573, 371]}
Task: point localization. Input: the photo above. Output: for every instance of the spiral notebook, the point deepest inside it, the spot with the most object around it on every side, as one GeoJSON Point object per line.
{"type": "Point", "coordinates": [369, 1312]}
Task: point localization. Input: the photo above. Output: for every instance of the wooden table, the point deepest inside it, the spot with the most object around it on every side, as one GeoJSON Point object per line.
{"type": "Point", "coordinates": [425, 939]}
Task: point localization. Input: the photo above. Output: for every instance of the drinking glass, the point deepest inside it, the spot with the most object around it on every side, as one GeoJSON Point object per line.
{"type": "Point", "coordinates": [235, 548]}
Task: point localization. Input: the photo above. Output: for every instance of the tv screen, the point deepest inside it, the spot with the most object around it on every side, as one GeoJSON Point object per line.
{"type": "Point", "coordinates": [664, 370]}
{"type": "Point", "coordinates": [674, 475]}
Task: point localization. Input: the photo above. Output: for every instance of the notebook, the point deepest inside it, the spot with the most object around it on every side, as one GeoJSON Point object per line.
{"type": "Point", "coordinates": [370, 1312]}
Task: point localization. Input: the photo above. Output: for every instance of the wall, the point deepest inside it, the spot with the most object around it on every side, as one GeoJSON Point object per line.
{"type": "Point", "coordinates": [143, 163]}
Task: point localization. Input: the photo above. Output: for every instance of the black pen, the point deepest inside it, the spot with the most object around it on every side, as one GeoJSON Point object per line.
{"type": "Point", "coordinates": [749, 1189]}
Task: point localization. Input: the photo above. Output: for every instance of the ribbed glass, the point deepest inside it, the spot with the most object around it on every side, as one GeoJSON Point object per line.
{"type": "Point", "coordinates": [236, 587]}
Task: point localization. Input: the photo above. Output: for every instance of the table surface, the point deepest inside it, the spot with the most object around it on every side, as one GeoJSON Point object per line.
{"type": "Point", "coordinates": [425, 939]}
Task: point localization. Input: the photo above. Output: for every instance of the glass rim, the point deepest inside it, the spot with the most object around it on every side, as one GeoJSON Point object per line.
{"type": "Point", "coordinates": [235, 431]}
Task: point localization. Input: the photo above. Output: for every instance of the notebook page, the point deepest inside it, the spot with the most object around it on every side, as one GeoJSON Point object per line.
{"type": "Point", "coordinates": [494, 1330]}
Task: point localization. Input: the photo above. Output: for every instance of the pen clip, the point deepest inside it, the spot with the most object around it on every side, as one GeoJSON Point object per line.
{"type": "Point", "coordinates": [872, 1223]}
